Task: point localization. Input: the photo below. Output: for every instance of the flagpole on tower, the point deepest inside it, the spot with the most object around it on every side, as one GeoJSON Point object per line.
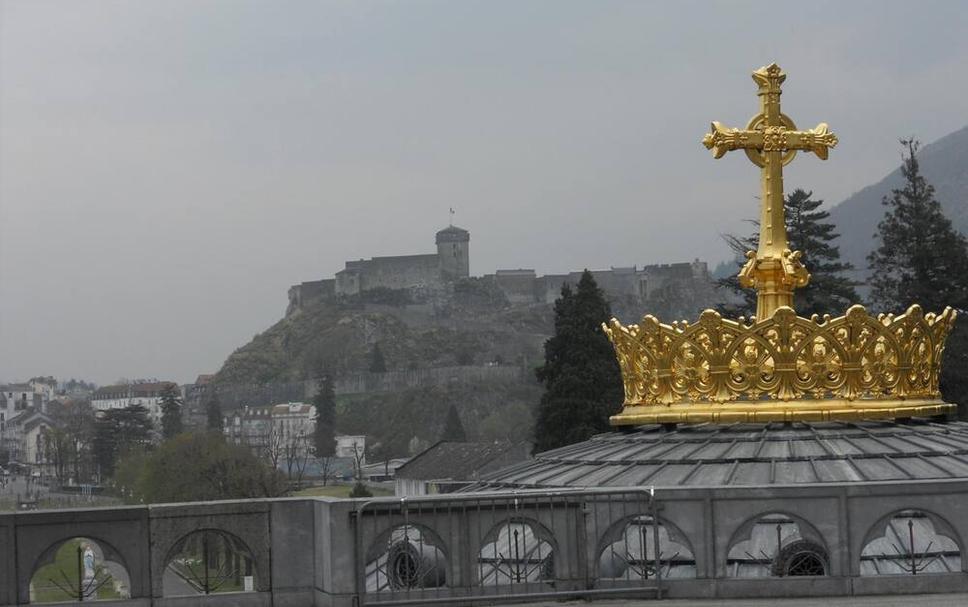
{"type": "Point", "coordinates": [451, 216]}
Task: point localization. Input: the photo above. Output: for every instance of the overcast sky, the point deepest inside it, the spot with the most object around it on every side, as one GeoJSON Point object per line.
{"type": "Point", "coordinates": [168, 169]}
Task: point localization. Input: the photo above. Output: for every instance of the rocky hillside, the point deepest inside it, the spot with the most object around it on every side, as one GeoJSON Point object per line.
{"type": "Point", "coordinates": [340, 337]}
{"type": "Point", "coordinates": [945, 165]}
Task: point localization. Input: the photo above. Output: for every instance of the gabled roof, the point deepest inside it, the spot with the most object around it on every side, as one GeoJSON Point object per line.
{"type": "Point", "coordinates": [30, 419]}
{"type": "Point", "coordinates": [449, 460]}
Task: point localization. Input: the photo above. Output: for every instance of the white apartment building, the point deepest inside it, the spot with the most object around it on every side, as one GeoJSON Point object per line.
{"type": "Point", "coordinates": [148, 395]}
{"type": "Point", "coordinates": [274, 429]}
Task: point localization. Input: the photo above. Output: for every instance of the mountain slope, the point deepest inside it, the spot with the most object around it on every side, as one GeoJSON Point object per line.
{"type": "Point", "coordinates": [945, 165]}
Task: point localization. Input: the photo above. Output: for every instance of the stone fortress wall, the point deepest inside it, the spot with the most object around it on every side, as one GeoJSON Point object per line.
{"type": "Point", "coordinates": [666, 288]}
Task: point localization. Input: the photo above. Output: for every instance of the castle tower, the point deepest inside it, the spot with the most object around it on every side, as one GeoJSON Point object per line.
{"type": "Point", "coordinates": [454, 252]}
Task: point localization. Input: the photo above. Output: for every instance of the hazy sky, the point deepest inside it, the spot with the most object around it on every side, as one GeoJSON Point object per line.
{"type": "Point", "coordinates": [168, 169]}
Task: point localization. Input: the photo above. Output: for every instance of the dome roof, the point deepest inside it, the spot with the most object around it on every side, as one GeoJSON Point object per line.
{"type": "Point", "coordinates": [709, 455]}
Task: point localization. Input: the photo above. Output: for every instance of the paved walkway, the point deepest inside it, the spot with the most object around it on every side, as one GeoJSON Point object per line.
{"type": "Point", "coordinates": [918, 600]}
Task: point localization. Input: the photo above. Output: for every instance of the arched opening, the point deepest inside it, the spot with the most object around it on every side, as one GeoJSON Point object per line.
{"type": "Point", "coordinates": [208, 561]}
{"type": "Point", "coordinates": [911, 542]}
{"type": "Point", "coordinates": [633, 547]}
{"type": "Point", "coordinates": [777, 545]}
{"type": "Point", "coordinates": [406, 557]}
{"type": "Point", "coordinates": [79, 569]}
{"type": "Point", "coordinates": [518, 551]}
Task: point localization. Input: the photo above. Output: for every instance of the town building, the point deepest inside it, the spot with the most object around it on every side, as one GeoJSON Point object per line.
{"type": "Point", "coordinates": [145, 394]}
{"type": "Point", "coordinates": [351, 446]}
{"type": "Point", "coordinates": [195, 395]}
{"type": "Point", "coordinates": [18, 397]}
{"type": "Point", "coordinates": [448, 466]}
{"type": "Point", "coordinates": [23, 437]}
{"type": "Point", "coordinates": [275, 430]}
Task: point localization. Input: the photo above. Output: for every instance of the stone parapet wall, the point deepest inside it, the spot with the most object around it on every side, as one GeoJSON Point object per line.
{"type": "Point", "coordinates": [321, 551]}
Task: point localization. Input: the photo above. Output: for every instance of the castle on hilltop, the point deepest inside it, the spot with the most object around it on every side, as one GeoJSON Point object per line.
{"type": "Point", "coordinates": [674, 288]}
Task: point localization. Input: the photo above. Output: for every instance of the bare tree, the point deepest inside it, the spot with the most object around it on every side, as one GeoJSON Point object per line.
{"type": "Point", "coordinates": [297, 448]}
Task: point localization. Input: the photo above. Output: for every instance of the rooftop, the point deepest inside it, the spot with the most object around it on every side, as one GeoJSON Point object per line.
{"type": "Point", "coordinates": [704, 455]}
{"type": "Point", "coordinates": [463, 461]}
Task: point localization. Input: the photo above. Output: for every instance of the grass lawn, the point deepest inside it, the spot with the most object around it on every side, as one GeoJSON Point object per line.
{"type": "Point", "coordinates": [338, 491]}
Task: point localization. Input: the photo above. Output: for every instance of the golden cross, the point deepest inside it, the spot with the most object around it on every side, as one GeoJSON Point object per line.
{"type": "Point", "coordinates": [771, 140]}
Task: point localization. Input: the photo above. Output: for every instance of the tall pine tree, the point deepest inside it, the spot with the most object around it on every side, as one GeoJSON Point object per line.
{"type": "Point", "coordinates": [171, 412]}
{"type": "Point", "coordinates": [324, 434]}
{"type": "Point", "coordinates": [453, 428]}
{"type": "Point", "coordinates": [213, 413]}
{"type": "Point", "coordinates": [378, 363]}
{"type": "Point", "coordinates": [923, 259]}
{"type": "Point", "coordinates": [583, 384]}
{"type": "Point", "coordinates": [830, 290]}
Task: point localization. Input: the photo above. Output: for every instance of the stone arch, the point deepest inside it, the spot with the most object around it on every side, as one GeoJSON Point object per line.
{"type": "Point", "coordinates": [404, 557]}
{"type": "Point", "coordinates": [775, 544]}
{"type": "Point", "coordinates": [911, 541]}
{"type": "Point", "coordinates": [248, 521]}
{"type": "Point", "coordinates": [208, 561]}
{"type": "Point", "coordinates": [517, 549]}
{"type": "Point", "coordinates": [96, 571]}
{"type": "Point", "coordinates": [626, 550]}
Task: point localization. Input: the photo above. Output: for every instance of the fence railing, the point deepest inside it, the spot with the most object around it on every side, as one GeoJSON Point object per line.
{"type": "Point", "coordinates": [521, 546]}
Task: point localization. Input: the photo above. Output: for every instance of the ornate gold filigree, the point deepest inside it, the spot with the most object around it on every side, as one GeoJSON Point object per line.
{"type": "Point", "coordinates": [779, 367]}
{"type": "Point", "coordinates": [782, 368]}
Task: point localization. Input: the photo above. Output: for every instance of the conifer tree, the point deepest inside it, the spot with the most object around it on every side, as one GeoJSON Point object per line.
{"type": "Point", "coordinates": [324, 434]}
{"type": "Point", "coordinates": [377, 363]}
{"type": "Point", "coordinates": [171, 412]}
{"type": "Point", "coordinates": [453, 428]}
{"type": "Point", "coordinates": [213, 414]}
{"type": "Point", "coordinates": [922, 259]}
{"type": "Point", "coordinates": [583, 384]}
{"type": "Point", "coordinates": [116, 431]}
{"type": "Point", "coordinates": [830, 290]}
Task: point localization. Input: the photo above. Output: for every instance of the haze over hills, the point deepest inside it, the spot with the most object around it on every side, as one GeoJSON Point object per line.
{"type": "Point", "coordinates": [944, 164]}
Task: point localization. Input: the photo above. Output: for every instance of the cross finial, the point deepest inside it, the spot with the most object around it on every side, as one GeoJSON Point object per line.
{"type": "Point", "coordinates": [771, 140]}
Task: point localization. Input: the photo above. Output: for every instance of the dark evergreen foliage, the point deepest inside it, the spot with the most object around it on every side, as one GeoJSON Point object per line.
{"type": "Point", "coordinates": [954, 366]}
{"type": "Point", "coordinates": [923, 259]}
{"type": "Point", "coordinates": [377, 363]}
{"type": "Point", "coordinates": [171, 412]}
{"type": "Point", "coordinates": [116, 431]}
{"type": "Point", "coordinates": [581, 377]}
{"type": "Point", "coordinates": [324, 434]}
{"type": "Point", "coordinates": [213, 413]}
{"type": "Point", "coordinates": [829, 291]}
{"type": "Point", "coordinates": [746, 306]}
{"type": "Point", "coordinates": [453, 428]}
{"type": "Point", "coordinates": [360, 490]}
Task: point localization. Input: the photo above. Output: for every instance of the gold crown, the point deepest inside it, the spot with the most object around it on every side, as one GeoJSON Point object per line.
{"type": "Point", "coordinates": [783, 368]}
{"type": "Point", "coordinates": [779, 367]}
